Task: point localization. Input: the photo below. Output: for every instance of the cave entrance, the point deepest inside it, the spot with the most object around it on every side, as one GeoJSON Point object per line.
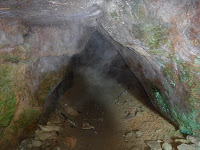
{"type": "Point", "coordinates": [106, 107]}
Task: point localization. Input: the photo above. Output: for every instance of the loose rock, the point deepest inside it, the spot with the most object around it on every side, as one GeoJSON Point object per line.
{"type": "Point", "coordinates": [187, 147]}
{"type": "Point", "coordinates": [154, 145]}
{"type": "Point", "coordinates": [166, 146]}
{"type": "Point", "coordinates": [71, 142]}
{"type": "Point", "coordinates": [181, 141]}
{"type": "Point", "coordinates": [130, 115]}
{"type": "Point", "coordinates": [87, 126]}
{"type": "Point", "coordinates": [139, 133]}
{"type": "Point", "coordinates": [49, 128]}
{"type": "Point", "coordinates": [138, 114]}
{"type": "Point", "coordinates": [41, 135]}
{"type": "Point", "coordinates": [36, 143]}
{"type": "Point", "coordinates": [128, 135]}
{"type": "Point", "coordinates": [71, 111]}
{"type": "Point", "coordinates": [158, 130]}
{"type": "Point", "coordinates": [194, 140]}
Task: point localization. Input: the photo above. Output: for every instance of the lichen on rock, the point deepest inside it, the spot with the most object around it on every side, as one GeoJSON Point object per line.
{"type": "Point", "coordinates": [27, 117]}
{"type": "Point", "coordinates": [167, 39]}
{"type": "Point", "coordinates": [10, 78]}
{"type": "Point", "coordinates": [47, 82]}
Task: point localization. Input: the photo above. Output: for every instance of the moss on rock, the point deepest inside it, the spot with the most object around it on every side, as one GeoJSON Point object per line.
{"type": "Point", "coordinates": [160, 99]}
{"type": "Point", "coordinates": [27, 117]}
{"type": "Point", "coordinates": [7, 96]}
{"type": "Point", "coordinates": [47, 82]}
{"type": "Point", "coordinates": [12, 84]}
{"type": "Point", "coordinates": [18, 54]}
{"type": "Point", "coordinates": [154, 35]}
{"type": "Point", "coordinates": [185, 77]}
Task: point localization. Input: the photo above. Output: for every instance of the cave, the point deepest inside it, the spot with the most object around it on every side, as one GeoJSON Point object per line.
{"type": "Point", "coordinates": [98, 74]}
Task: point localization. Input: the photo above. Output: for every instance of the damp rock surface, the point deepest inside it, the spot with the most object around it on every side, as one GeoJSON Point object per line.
{"type": "Point", "coordinates": [162, 50]}
{"type": "Point", "coordinates": [159, 40]}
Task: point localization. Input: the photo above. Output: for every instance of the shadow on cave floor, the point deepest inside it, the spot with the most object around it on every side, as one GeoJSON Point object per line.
{"type": "Point", "coordinates": [88, 116]}
{"type": "Point", "coordinates": [103, 124]}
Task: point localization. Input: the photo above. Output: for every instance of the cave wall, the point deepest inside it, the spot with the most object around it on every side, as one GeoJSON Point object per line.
{"type": "Point", "coordinates": [163, 42]}
{"type": "Point", "coordinates": [159, 40]}
{"type": "Point", "coordinates": [33, 62]}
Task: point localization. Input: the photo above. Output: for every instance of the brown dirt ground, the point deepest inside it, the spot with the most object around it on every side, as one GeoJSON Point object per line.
{"type": "Point", "coordinates": [95, 97]}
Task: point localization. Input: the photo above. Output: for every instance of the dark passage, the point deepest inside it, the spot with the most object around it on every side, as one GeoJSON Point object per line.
{"type": "Point", "coordinates": [105, 109]}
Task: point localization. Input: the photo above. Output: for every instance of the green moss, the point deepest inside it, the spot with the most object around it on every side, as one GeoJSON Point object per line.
{"type": "Point", "coordinates": [48, 81]}
{"type": "Point", "coordinates": [7, 96]}
{"type": "Point", "coordinates": [176, 133]}
{"type": "Point", "coordinates": [185, 78]}
{"type": "Point", "coordinates": [156, 51]}
{"type": "Point", "coordinates": [171, 75]}
{"type": "Point", "coordinates": [138, 10]}
{"type": "Point", "coordinates": [18, 54]}
{"type": "Point", "coordinates": [160, 99]}
{"type": "Point", "coordinates": [5, 57]}
{"type": "Point", "coordinates": [141, 12]}
{"type": "Point", "coordinates": [13, 129]}
{"type": "Point", "coordinates": [197, 61]}
{"type": "Point", "coordinates": [181, 78]}
{"type": "Point", "coordinates": [22, 53]}
{"type": "Point", "coordinates": [188, 123]}
{"type": "Point", "coordinates": [154, 35]}
{"type": "Point", "coordinates": [114, 15]}
{"type": "Point", "coordinates": [9, 133]}
{"type": "Point", "coordinates": [185, 130]}
{"type": "Point", "coordinates": [27, 117]}
{"type": "Point", "coordinates": [186, 120]}
{"type": "Point", "coordinates": [1, 132]}
{"type": "Point", "coordinates": [8, 114]}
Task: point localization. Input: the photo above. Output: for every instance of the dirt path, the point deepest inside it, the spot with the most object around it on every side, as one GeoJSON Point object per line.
{"type": "Point", "coordinates": [89, 118]}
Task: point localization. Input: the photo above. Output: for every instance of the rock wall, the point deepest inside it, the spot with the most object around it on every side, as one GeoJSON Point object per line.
{"type": "Point", "coordinates": [33, 62]}
{"type": "Point", "coordinates": [163, 41]}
